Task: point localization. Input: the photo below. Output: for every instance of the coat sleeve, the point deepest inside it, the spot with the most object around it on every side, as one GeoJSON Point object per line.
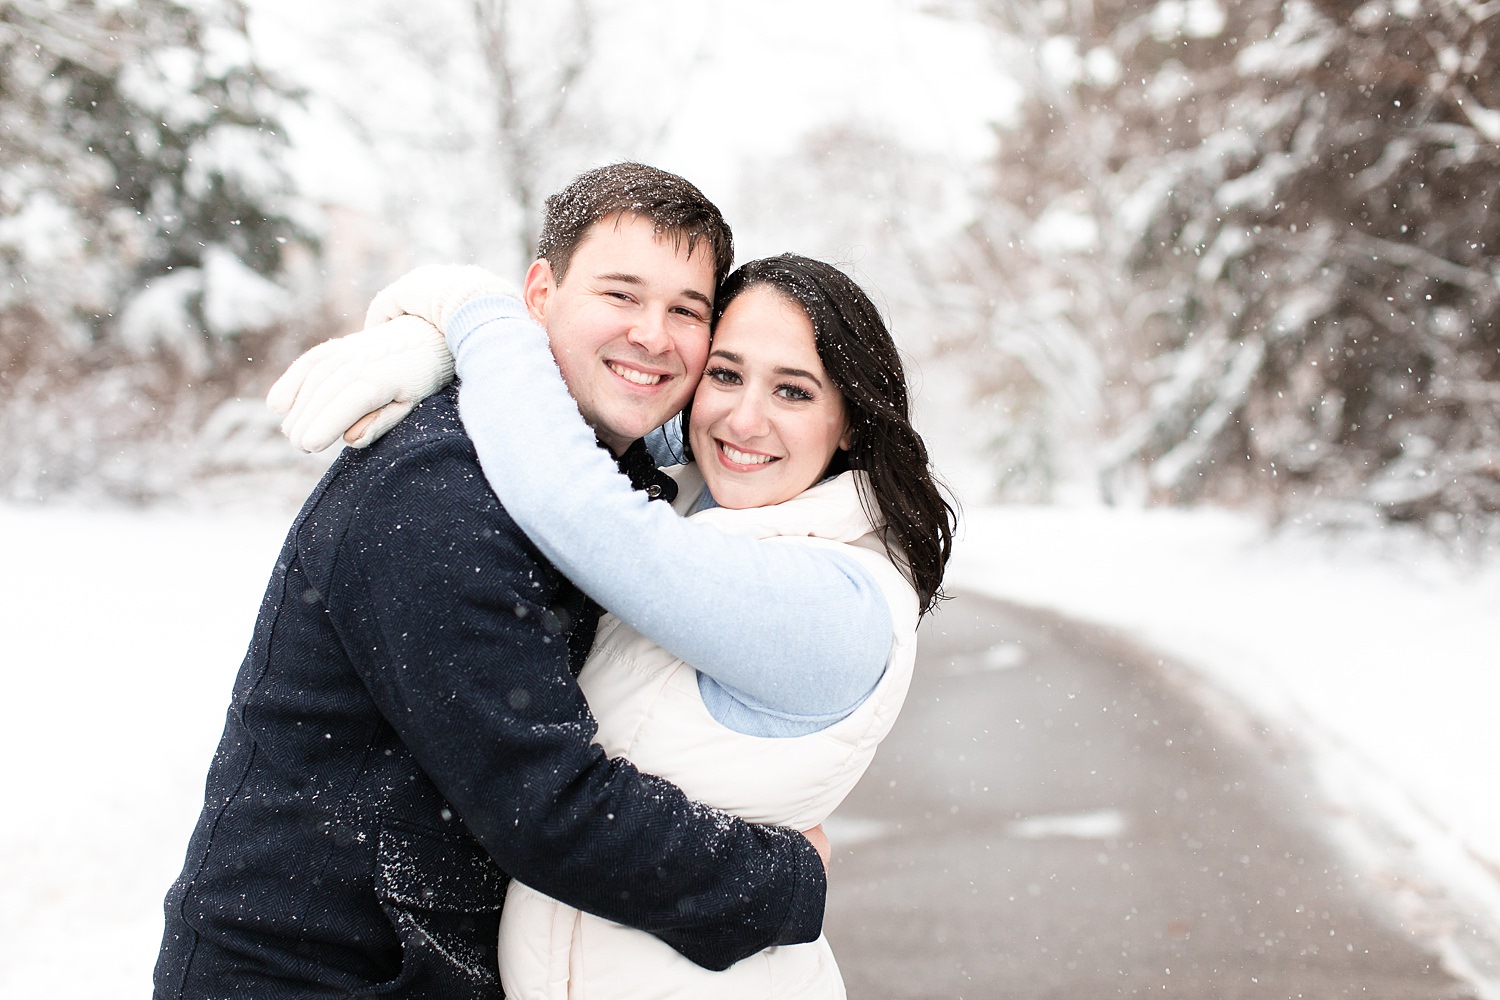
{"type": "Point", "coordinates": [453, 620]}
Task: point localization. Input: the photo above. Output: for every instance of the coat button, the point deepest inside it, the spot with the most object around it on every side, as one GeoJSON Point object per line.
{"type": "Point", "coordinates": [653, 491]}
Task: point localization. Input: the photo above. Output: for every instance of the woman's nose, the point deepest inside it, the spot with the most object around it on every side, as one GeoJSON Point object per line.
{"type": "Point", "coordinates": [748, 418]}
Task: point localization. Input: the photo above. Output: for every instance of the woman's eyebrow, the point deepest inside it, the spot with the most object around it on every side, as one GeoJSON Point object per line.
{"type": "Point", "coordinates": [799, 373]}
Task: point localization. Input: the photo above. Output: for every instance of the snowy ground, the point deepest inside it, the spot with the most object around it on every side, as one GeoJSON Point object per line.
{"type": "Point", "coordinates": [122, 633]}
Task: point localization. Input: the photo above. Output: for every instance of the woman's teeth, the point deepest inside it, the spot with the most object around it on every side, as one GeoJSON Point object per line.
{"type": "Point", "coordinates": [742, 457]}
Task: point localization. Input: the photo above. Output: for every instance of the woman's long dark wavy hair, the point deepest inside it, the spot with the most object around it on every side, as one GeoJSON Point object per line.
{"type": "Point", "coordinates": [861, 359]}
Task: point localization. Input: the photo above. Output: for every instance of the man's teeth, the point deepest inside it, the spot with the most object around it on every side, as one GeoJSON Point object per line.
{"type": "Point", "coordinates": [638, 377]}
{"type": "Point", "coordinates": [743, 457]}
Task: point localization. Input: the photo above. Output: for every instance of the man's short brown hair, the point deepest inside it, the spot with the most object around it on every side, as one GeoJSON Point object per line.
{"type": "Point", "coordinates": [674, 206]}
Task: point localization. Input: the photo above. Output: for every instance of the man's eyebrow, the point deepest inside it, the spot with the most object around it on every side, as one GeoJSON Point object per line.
{"type": "Point", "coordinates": [733, 358]}
{"type": "Point", "coordinates": [626, 278]}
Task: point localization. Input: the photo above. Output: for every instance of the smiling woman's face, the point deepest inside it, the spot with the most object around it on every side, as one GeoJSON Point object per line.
{"type": "Point", "coordinates": [766, 418]}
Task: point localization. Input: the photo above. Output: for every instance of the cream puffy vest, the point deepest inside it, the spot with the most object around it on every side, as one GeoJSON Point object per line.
{"type": "Point", "coordinates": [650, 712]}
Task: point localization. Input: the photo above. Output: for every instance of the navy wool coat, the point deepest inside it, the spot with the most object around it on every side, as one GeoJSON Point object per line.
{"type": "Point", "coordinates": [405, 734]}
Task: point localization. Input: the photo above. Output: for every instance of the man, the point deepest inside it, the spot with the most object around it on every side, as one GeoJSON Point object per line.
{"type": "Point", "coordinates": [405, 733]}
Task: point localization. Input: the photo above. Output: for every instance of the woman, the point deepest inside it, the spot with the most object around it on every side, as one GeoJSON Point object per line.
{"type": "Point", "coordinates": [804, 450]}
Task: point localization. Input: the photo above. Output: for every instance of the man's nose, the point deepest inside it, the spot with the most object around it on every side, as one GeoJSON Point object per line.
{"type": "Point", "coordinates": [649, 332]}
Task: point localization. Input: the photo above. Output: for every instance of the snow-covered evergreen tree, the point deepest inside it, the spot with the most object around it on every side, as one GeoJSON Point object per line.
{"type": "Point", "coordinates": [1272, 225]}
{"type": "Point", "coordinates": [145, 222]}
{"type": "Point", "coordinates": [140, 140]}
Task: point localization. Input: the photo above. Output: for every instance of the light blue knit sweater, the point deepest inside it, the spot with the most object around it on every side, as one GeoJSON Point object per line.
{"type": "Point", "coordinates": [787, 639]}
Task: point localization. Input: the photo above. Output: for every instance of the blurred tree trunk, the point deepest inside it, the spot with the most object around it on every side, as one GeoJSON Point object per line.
{"type": "Point", "coordinates": [473, 112]}
{"type": "Point", "coordinates": [530, 104]}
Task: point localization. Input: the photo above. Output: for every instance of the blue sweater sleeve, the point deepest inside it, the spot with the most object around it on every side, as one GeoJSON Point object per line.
{"type": "Point", "coordinates": [795, 632]}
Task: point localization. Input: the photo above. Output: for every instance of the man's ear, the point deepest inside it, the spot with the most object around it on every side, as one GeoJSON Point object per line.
{"type": "Point", "coordinates": [538, 289]}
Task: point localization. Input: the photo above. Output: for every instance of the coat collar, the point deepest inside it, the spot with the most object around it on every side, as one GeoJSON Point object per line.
{"type": "Point", "coordinates": [640, 467]}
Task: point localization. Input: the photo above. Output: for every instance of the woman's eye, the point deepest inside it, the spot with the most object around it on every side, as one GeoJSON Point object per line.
{"type": "Point", "coordinates": [723, 376]}
{"type": "Point", "coordinates": [794, 392]}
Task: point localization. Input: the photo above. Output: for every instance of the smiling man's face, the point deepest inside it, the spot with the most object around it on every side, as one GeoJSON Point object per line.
{"type": "Point", "coordinates": [628, 323]}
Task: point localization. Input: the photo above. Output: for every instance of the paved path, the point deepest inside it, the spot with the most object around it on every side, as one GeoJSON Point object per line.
{"type": "Point", "coordinates": [1051, 819]}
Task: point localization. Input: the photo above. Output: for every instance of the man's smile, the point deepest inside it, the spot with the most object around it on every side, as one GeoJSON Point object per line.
{"type": "Point", "coordinates": [635, 375]}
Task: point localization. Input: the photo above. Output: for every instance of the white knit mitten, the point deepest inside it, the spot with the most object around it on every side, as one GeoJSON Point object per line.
{"type": "Point", "coordinates": [380, 372]}
{"type": "Point", "coordinates": [435, 293]}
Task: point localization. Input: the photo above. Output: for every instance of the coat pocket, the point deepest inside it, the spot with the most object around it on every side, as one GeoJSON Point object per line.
{"type": "Point", "coordinates": [437, 871]}
{"type": "Point", "coordinates": [443, 895]}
